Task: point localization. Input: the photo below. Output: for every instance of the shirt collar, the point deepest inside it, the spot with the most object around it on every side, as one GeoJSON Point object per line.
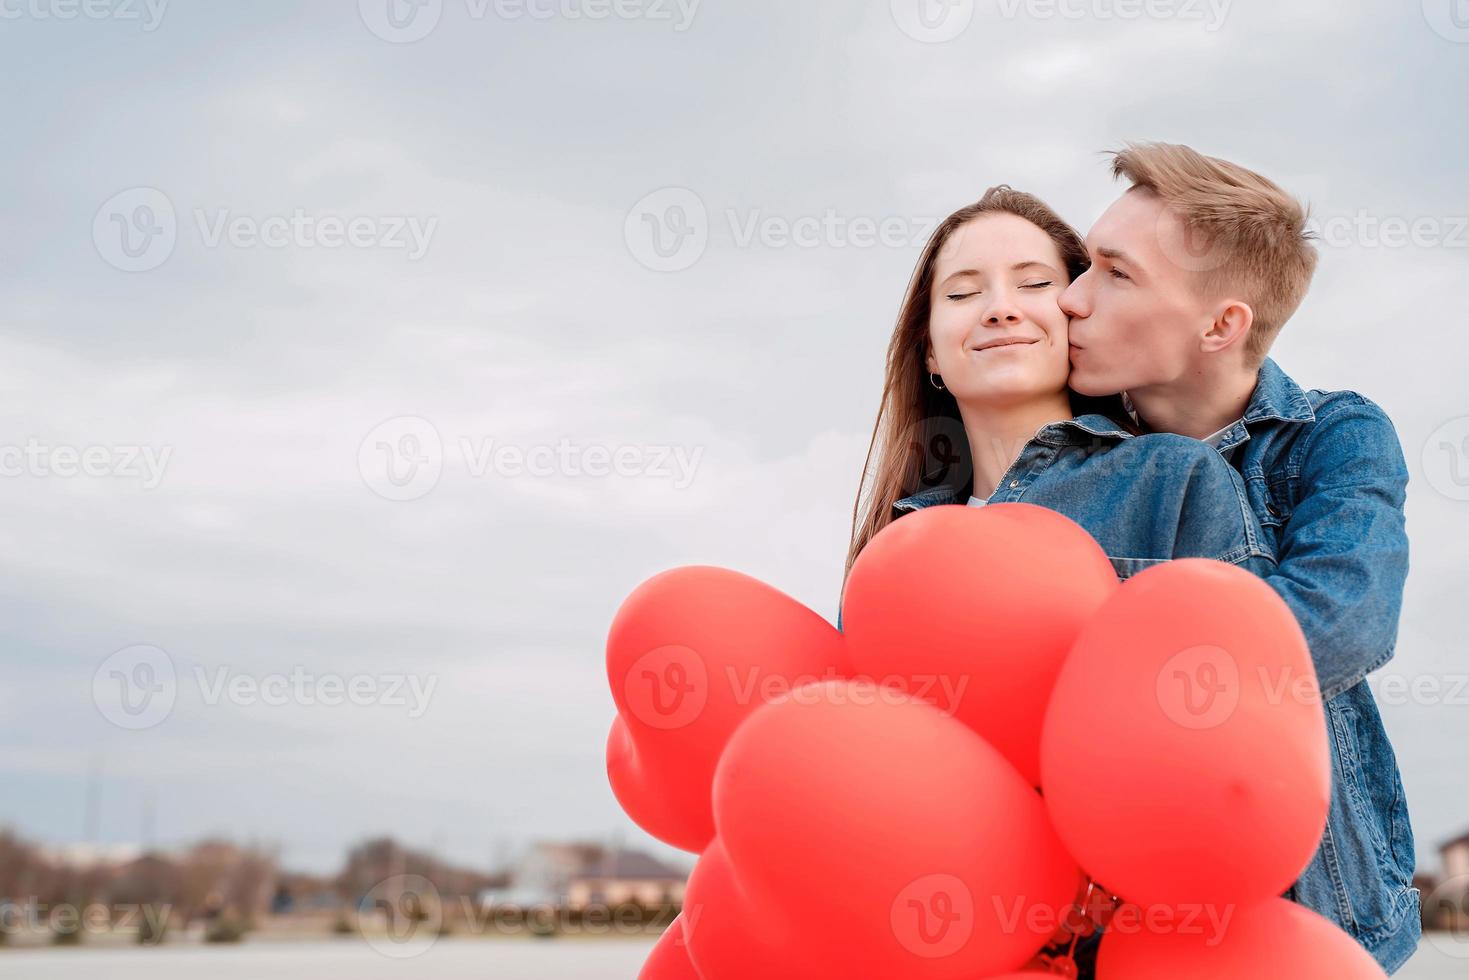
{"type": "Point", "coordinates": [942, 494]}
{"type": "Point", "coordinates": [1079, 430]}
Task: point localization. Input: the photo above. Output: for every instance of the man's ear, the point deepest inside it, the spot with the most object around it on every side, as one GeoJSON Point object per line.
{"type": "Point", "coordinates": [1231, 327]}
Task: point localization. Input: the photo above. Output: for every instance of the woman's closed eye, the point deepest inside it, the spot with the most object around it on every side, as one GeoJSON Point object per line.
{"type": "Point", "coordinates": [1029, 285]}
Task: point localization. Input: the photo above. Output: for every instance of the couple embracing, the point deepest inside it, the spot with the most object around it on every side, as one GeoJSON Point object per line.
{"type": "Point", "coordinates": [1124, 381]}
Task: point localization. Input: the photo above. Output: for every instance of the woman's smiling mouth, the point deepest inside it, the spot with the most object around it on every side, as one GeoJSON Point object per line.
{"type": "Point", "coordinates": [1001, 343]}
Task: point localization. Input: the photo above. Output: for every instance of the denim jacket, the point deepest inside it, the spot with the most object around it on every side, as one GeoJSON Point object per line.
{"type": "Point", "coordinates": [1326, 478]}
{"type": "Point", "coordinates": [1323, 480]}
{"type": "Point", "coordinates": [1144, 499]}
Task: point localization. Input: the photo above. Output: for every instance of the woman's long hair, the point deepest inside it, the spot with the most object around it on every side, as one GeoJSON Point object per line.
{"type": "Point", "coordinates": [918, 438]}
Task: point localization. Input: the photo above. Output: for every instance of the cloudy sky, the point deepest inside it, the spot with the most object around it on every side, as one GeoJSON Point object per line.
{"type": "Point", "coordinates": [396, 345]}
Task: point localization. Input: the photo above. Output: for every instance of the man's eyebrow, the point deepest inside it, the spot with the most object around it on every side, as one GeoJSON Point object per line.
{"type": "Point", "coordinates": [1114, 253]}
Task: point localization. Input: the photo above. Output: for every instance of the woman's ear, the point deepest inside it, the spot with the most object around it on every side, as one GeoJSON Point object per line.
{"type": "Point", "coordinates": [930, 364]}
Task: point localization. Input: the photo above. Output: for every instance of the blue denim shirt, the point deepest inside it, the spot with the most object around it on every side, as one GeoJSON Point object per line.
{"type": "Point", "coordinates": [1326, 478]}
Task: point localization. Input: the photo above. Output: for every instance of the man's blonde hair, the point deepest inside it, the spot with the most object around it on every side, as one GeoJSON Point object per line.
{"type": "Point", "coordinates": [1255, 232]}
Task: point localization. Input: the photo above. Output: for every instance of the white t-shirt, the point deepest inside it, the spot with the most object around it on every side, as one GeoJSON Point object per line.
{"type": "Point", "coordinates": [976, 502]}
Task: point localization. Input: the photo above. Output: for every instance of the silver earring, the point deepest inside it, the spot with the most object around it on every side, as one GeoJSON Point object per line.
{"type": "Point", "coordinates": [932, 379]}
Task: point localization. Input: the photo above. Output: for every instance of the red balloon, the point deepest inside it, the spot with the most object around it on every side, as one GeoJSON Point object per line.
{"type": "Point", "coordinates": [974, 609]}
{"type": "Point", "coordinates": [1184, 756]}
{"type": "Point", "coordinates": [868, 833]}
{"type": "Point", "coordinates": [1270, 938]}
{"type": "Point", "coordinates": [670, 957]}
{"type": "Point", "coordinates": [728, 938]}
{"type": "Point", "coordinates": [690, 653]}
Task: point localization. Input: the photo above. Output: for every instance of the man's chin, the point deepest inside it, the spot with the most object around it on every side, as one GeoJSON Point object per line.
{"type": "Point", "coordinates": [1091, 385]}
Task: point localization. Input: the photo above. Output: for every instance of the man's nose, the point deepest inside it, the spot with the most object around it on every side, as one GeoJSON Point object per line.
{"type": "Point", "coordinates": [1073, 299]}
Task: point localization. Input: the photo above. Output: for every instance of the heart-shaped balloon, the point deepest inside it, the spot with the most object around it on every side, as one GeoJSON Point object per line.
{"type": "Point", "coordinates": [1185, 756]}
{"type": "Point", "coordinates": [974, 609]}
{"type": "Point", "coordinates": [1270, 938]}
{"type": "Point", "coordinates": [868, 833]}
{"type": "Point", "coordinates": [691, 652]}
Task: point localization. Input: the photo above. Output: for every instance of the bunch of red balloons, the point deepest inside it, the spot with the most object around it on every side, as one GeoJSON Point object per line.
{"type": "Point", "coordinates": [925, 794]}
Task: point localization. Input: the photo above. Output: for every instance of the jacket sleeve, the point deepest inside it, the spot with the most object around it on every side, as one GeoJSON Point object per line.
{"type": "Point", "coordinates": [1343, 551]}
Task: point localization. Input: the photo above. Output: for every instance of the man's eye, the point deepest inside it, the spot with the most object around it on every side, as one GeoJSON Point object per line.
{"type": "Point", "coordinates": [1119, 274]}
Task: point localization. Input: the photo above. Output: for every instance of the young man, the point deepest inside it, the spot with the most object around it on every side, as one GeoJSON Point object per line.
{"type": "Point", "coordinates": [1195, 270]}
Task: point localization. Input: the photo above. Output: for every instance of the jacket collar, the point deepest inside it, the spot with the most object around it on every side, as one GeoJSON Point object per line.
{"type": "Point", "coordinates": [1277, 397]}
{"type": "Point", "coordinates": [942, 494]}
{"type": "Point", "coordinates": [1066, 432]}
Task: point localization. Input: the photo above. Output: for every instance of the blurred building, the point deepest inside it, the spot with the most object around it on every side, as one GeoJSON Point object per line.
{"type": "Point", "coordinates": [576, 875]}
{"type": "Point", "coordinates": [1446, 896]}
